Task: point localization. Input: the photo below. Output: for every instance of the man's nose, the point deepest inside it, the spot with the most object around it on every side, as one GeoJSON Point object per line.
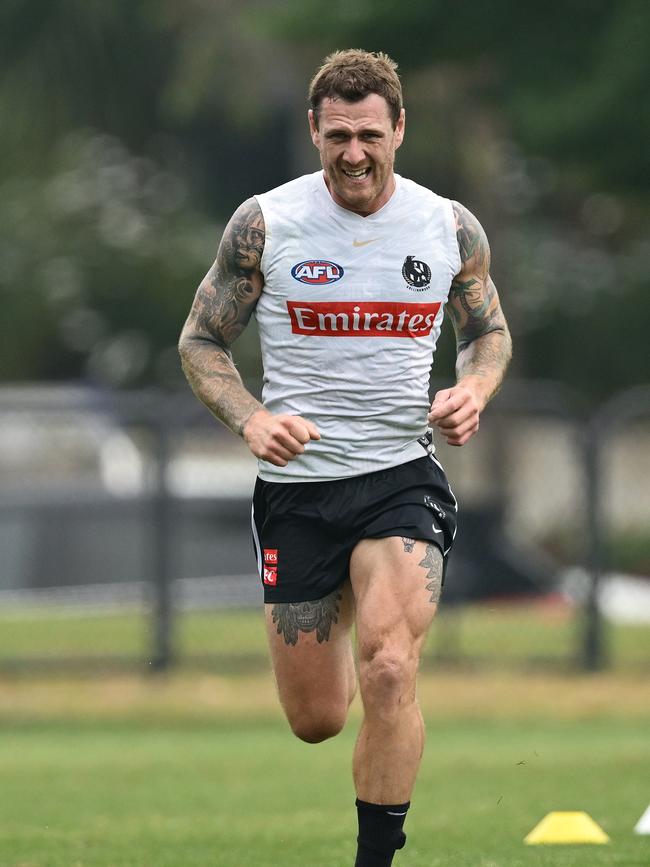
{"type": "Point", "coordinates": [354, 152]}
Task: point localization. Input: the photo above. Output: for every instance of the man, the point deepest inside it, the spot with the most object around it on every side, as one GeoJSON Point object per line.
{"type": "Point", "coordinates": [349, 271]}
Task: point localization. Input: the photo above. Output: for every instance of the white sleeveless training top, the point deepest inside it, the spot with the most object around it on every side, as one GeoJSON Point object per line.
{"type": "Point", "coordinates": [349, 318]}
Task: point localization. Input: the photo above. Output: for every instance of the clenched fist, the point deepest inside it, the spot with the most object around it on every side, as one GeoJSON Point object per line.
{"type": "Point", "coordinates": [278, 439]}
{"type": "Point", "coordinates": [455, 412]}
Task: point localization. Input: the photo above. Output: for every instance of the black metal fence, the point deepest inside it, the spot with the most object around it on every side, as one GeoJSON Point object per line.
{"type": "Point", "coordinates": [137, 504]}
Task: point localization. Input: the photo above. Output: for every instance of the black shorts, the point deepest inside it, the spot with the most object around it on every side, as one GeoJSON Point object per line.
{"type": "Point", "coordinates": [304, 532]}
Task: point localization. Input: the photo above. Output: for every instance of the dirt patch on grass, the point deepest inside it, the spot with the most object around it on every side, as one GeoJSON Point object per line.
{"type": "Point", "coordinates": [443, 695]}
{"type": "Point", "coordinates": [535, 695]}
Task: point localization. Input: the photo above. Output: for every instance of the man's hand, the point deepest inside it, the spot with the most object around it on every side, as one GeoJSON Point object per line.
{"type": "Point", "coordinates": [455, 412]}
{"type": "Point", "coordinates": [278, 439]}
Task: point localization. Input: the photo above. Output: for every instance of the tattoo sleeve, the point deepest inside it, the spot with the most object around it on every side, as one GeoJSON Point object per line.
{"type": "Point", "coordinates": [221, 310]}
{"type": "Point", "coordinates": [483, 340]}
{"type": "Point", "coordinates": [291, 618]}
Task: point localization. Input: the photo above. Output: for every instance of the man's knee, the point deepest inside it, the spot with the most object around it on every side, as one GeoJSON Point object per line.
{"type": "Point", "coordinates": [387, 676]}
{"type": "Point", "coordinates": [316, 724]}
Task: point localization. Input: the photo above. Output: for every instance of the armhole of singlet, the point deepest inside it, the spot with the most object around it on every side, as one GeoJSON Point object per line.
{"type": "Point", "coordinates": [266, 252]}
{"type": "Point", "coordinates": [455, 262]}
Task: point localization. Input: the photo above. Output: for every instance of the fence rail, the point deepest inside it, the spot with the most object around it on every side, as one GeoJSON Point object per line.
{"type": "Point", "coordinates": [116, 496]}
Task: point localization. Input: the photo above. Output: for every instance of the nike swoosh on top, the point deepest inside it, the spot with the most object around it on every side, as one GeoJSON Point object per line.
{"type": "Point", "coordinates": [356, 243]}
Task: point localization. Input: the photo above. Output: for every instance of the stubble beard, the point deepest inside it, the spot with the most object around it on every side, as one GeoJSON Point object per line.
{"type": "Point", "coordinates": [357, 198]}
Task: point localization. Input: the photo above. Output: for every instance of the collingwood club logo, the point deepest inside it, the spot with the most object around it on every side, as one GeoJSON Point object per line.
{"type": "Point", "coordinates": [416, 273]}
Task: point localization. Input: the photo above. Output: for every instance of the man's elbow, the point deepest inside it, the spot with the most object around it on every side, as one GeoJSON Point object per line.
{"type": "Point", "coordinates": [185, 354]}
{"type": "Point", "coordinates": [494, 332]}
{"type": "Point", "coordinates": [506, 341]}
{"type": "Point", "coordinates": [191, 344]}
{"type": "Point", "coordinates": [189, 341]}
{"type": "Point", "coordinates": [183, 344]}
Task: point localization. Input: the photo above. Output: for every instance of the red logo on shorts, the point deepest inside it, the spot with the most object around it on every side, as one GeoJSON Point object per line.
{"type": "Point", "coordinates": [270, 576]}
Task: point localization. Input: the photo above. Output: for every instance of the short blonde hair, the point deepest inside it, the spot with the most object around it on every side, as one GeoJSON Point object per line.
{"type": "Point", "coordinates": [354, 74]}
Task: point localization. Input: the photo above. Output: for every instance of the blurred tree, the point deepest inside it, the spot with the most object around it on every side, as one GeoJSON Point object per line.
{"type": "Point", "coordinates": [92, 261]}
{"type": "Point", "coordinates": [131, 129]}
{"type": "Point", "coordinates": [70, 63]}
{"type": "Point", "coordinates": [535, 116]}
{"type": "Point", "coordinates": [121, 145]}
{"type": "Point", "coordinates": [570, 76]}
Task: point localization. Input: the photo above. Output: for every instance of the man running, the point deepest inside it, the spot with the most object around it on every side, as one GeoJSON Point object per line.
{"type": "Point", "coordinates": [349, 271]}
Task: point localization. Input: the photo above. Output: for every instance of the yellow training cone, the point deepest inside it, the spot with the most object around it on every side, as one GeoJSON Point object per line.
{"type": "Point", "coordinates": [574, 827]}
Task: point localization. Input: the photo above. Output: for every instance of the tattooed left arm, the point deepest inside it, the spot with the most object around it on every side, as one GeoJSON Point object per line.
{"type": "Point", "coordinates": [483, 341]}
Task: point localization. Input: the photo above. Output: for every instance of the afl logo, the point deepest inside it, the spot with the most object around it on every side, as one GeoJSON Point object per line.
{"type": "Point", "coordinates": [416, 273]}
{"type": "Point", "coordinates": [317, 272]}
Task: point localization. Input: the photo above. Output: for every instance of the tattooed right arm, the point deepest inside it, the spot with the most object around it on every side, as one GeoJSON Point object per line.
{"type": "Point", "coordinates": [222, 307]}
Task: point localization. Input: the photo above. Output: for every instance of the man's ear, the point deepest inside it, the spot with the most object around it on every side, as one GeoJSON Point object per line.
{"type": "Point", "coordinates": [399, 128]}
{"type": "Point", "coordinates": [313, 129]}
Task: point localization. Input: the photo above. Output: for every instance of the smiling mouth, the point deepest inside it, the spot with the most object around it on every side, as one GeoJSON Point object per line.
{"type": "Point", "coordinates": [356, 174]}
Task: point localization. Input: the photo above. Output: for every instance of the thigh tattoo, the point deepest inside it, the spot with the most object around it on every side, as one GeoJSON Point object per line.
{"type": "Point", "coordinates": [432, 562]}
{"type": "Point", "coordinates": [294, 617]}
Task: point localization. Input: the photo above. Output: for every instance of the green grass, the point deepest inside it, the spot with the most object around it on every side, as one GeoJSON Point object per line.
{"type": "Point", "coordinates": [502, 635]}
{"type": "Point", "coordinates": [246, 794]}
{"type": "Point", "coordinates": [198, 769]}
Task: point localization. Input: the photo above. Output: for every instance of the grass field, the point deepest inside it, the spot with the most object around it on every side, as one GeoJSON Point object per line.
{"type": "Point", "coordinates": [245, 793]}
{"type": "Point", "coordinates": [198, 769]}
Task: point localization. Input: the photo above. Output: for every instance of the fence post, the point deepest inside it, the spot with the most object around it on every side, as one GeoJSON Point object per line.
{"type": "Point", "coordinates": [593, 652]}
{"type": "Point", "coordinates": [161, 539]}
{"type": "Point", "coordinates": [625, 407]}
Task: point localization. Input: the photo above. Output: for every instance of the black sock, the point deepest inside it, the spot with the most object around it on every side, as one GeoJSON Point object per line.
{"type": "Point", "coordinates": [380, 833]}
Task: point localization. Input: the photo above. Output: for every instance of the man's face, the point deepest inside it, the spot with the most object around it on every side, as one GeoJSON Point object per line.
{"type": "Point", "coordinates": [357, 145]}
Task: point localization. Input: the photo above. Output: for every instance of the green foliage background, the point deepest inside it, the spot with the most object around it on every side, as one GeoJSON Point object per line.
{"type": "Point", "coordinates": [132, 129]}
